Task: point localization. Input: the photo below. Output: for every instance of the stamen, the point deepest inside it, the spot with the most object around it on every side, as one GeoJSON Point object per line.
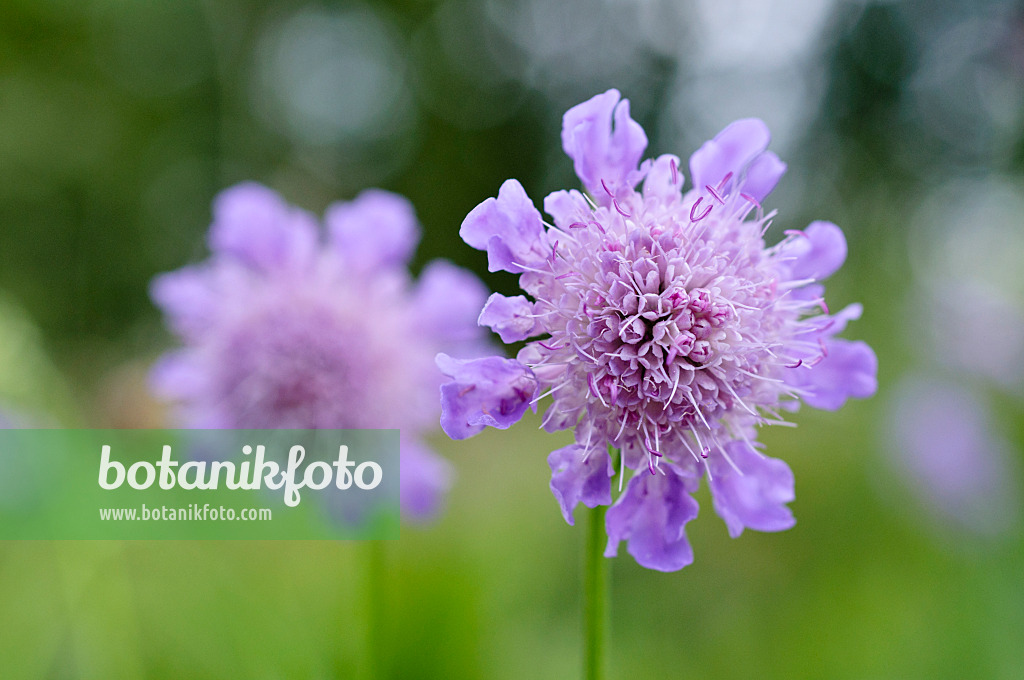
{"type": "Point", "coordinates": [593, 389]}
{"type": "Point", "coordinates": [796, 365]}
{"type": "Point", "coordinates": [606, 189]}
{"type": "Point", "coordinates": [797, 283]}
{"type": "Point", "coordinates": [695, 456]}
{"type": "Point", "coordinates": [782, 423]}
{"type": "Point", "coordinates": [622, 212]}
{"type": "Point", "coordinates": [580, 350]}
{"type": "Point", "coordinates": [748, 197]}
{"type": "Point", "coordinates": [531, 269]}
{"type": "Point", "coordinates": [549, 392]}
{"type": "Point", "coordinates": [740, 401]}
{"type": "Point", "coordinates": [586, 447]}
{"type": "Point", "coordinates": [714, 193]}
{"type": "Point", "coordinates": [694, 208]}
{"type": "Point", "coordinates": [466, 390]}
{"type": "Point", "coordinates": [675, 386]}
{"type": "Point", "coordinates": [578, 225]}
{"type": "Point", "coordinates": [675, 171]}
{"type": "Point", "coordinates": [551, 413]}
{"type": "Point", "coordinates": [730, 461]}
{"type": "Point", "coordinates": [721, 185]}
{"type": "Point", "coordinates": [700, 444]}
{"type": "Point", "coordinates": [689, 395]}
{"type": "Point", "coordinates": [625, 417]}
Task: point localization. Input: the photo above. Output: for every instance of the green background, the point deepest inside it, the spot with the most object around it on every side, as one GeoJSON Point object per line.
{"type": "Point", "coordinates": [119, 122]}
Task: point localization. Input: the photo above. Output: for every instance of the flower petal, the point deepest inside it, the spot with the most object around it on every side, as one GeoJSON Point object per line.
{"type": "Point", "coordinates": [567, 208]}
{"type": "Point", "coordinates": [376, 229]}
{"type": "Point", "coordinates": [817, 254]}
{"type": "Point", "coordinates": [754, 493]}
{"type": "Point", "coordinates": [512, 318]}
{"type": "Point", "coordinates": [187, 298]}
{"type": "Point", "coordinates": [849, 369]}
{"type": "Point", "coordinates": [508, 227]}
{"type": "Point", "coordinates": [652, 515]}
{"type": "Point", "coordinates": [601, 150]}
{"type": "Point", "coordinates": [447, 300]}
{"type": "Point", "coordinates": [838, 321]}
{"type": "Point", "coordinates": [733, 150]}
{"type": "Point", "coordinates": [424, 478]}
{"type": "Point", "coordinates": [182, 377]}
{"type": "Point", "coordinates": [491, 391]}
{"type": "Point", "coordinates": [763, 173]}
{"type": "Point", "coordinates": [579, 478]}
{"type": "Point", "coordinates": [665, 179]}
{"type": "Point", "coordinates": [256, 226]}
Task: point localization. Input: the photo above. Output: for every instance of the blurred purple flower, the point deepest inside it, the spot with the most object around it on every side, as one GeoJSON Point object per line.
{"type": "Point", "coordinates": [670, 331]}
{"type": "Point", "coordinates": [942, 439]}
{"type": "Point", "coordinates": [284, 327]}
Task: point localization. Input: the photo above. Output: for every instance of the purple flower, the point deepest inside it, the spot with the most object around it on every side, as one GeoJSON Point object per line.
{"type": "Point", "coordinates": [941, 439]}
{"type": "Point", "coordinates": [663, 326]}
{"type": "Point", "coordinates": [288, 327]}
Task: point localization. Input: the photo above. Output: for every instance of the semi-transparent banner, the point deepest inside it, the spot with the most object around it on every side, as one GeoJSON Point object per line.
{"type": "Point", "coordinates": [199, 484]}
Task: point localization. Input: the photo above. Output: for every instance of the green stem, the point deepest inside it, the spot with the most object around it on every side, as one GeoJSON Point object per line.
{"type": "Point", "coordinates": [595, 598]}
{"type": "Point", "coordinates": [595, 593]}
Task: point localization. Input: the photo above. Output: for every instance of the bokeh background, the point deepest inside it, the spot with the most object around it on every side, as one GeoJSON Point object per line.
{"type": "Point", "coordinates": [903, 122]}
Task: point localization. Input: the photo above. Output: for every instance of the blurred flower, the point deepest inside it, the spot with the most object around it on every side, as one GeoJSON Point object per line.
{"type": "Point", "coordinates": [941, 438]}
{"type": "Point", "coordinates": [670, 329]}
{"type": "Point", "coordinates": [965, 246]}
{"type": "Point", "coordinates": [284, 329]}
{"type": "Point", "coordinates": [942, 435]}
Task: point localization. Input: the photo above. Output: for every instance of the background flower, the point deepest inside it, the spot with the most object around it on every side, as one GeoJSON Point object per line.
{"type": "Point", "coordinates": [285, 327]}
{"type": "Point", "coordinates": [670, 329]}
{"type": "Point", "coordinates": [943, 441]}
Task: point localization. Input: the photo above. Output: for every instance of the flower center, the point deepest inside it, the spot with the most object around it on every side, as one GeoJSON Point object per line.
{"type": "Point", "coordinates": [651, 338]}
{"type": "Point", "coordinates": [289, 370]}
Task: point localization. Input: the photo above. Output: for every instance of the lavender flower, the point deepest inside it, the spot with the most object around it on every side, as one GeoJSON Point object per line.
{"type": "Point", "coordinates": [942, 441]}
{"type": "Point", "coordinates": [283, 328]}
{"type": "Point", "coordinates": [667, 329]}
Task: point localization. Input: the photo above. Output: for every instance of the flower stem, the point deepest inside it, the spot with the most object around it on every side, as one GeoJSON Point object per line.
{"type": "Point", "coordinates": [595, 594]}
{"type": "Point", "coordinates": [595, 598]}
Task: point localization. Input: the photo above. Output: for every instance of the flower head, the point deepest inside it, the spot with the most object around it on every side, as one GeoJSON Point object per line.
{"type": "Point", "coordinates": [665, 327]}
{"type": "Point", "coordinates": [285, 327]}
